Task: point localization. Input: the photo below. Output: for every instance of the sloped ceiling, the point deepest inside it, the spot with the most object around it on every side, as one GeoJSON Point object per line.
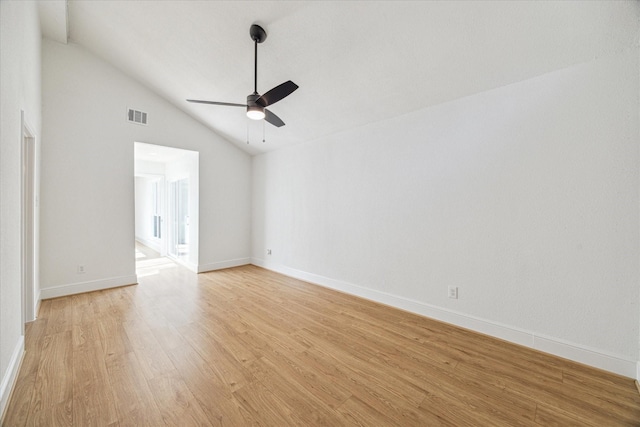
{"type": "Point", "coordinates": [54, 20]}
{"type": "Point", "coordinates": [355, 62]}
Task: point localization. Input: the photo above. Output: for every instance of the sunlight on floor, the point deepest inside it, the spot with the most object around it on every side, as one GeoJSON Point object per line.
{"type": "Point", "coordinates": [155, 267]}
{"type": "Point", "coordinates": [149, 262]}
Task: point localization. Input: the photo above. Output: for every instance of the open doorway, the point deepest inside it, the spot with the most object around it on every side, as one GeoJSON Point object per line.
{"type": "Point", "coordinates": [166, 205]}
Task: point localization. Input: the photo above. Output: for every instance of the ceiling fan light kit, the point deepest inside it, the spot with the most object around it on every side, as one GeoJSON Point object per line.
{"type": "Point", "coordinates": [255, 113]}
{"type": "Point", "coordinates": [257, 104]}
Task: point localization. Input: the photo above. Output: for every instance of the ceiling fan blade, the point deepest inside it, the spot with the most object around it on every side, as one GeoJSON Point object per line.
{"type": "Point", "coordinates": [228, 104]}
{"type": "Point", "coordinates": [277, 93]}
{"type": "Point", "coordinates": [272, 118]}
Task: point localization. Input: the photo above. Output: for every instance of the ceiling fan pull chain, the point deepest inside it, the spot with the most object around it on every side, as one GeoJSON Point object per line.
{"type": "Point", "coordinates": [247, 132]}
{"type": "Point", "coordinates": [263, 132]}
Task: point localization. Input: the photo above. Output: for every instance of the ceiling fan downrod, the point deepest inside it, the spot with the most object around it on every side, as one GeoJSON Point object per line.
{"type": "Point", "coordinates": [258, 35]}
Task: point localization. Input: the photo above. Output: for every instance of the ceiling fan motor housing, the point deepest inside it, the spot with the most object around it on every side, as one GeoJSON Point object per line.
{"type": "Point", "coordinates": [253, 108]}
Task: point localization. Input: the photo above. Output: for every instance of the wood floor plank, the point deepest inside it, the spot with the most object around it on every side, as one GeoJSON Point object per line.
{"type": "Point", "coordinates": [265, 408]}
{"type": "Point", "coordinates": [555, 417]}
{"type": "Point", "coordinates": [581, 405]}
{"type": "Point", "coordinates": [93, 400]}
{"type": "Point", "coordinates": [443, 407]}
{"type": "Point", "coordinates": [358, 413]}
{"type": "Point", "coordinates": [234, 375]}
{"type": "Point", "coordinates": [53, 391]}
{"type": "Point", "coordinates": [132, 396]}
{"type": "Point", "coordinates": [151, 356]}
{"type": "Point", "coordinates": [624, 405]}
{"type": "Point", "coordinates": [468, 346]}
{"type": "Point", "coordinates": [606, 386]}
{"type": "Point", "coordinates": [313, 398]}
{"type": "Point", "coordinates": [60, 316]}
{"type": "Point", "coordinates": [112, 337]}
{"type": "Point", "coordinates": [168, 337]}
{"type": "Point", "coordinates": [246, 346]}
{"type": "Point", "coordinates": [270, 332]}
{"type": "Point", "coordinates": [391, 395]}
{"type": "Point", "coordinates": [214, 397]}
{"type": "Point", "coordinates": [239, 349]}
{"type": "Point", "coordinates": [59, 415]}
{"type": "Point", "coordinates": [177, 404]}
{"type": "Point", "coordinates": [21, 398]}
{"type": "Point", "coordinates": [511, 408]}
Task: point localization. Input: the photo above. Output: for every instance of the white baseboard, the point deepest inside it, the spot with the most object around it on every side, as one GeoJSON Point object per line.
{"type": "Point", "coordinates": [38, 301]}
{"type": "Point", "coordinates": [638, 372]}
{"type": "Point", "coordinates": [11, 375]}
{"type": "Point", "coordinates": [93, 285]}
{"type": "Point", "coordinates": [556, 346]}
{"type": "Point", "coordinates": [202, 268]}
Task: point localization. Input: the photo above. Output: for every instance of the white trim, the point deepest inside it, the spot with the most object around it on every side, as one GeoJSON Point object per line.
{"type": "Point", "coordinates": [202, 268]}
{"type": "Point", "coordinates": [28, 207]}
{"type": "Point", "coordinates": [38, 301]}
{"type": "Point", "coordinates": [11, 375]}
{"type": "Point", "coordinates": [618, 364]}
{"type": "Point", "coordinates": [93, 285]}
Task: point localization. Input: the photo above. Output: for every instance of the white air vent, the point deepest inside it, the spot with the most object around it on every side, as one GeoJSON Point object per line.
{"type": "Point", "coordinates": [135, 116]}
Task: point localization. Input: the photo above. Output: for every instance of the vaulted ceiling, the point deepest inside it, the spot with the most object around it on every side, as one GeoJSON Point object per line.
{"type": "Point", "coordinates": [355, 62]}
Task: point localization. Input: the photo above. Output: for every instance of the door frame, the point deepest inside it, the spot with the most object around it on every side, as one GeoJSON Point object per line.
{"type": "Point", "coordinates": [28, 220]}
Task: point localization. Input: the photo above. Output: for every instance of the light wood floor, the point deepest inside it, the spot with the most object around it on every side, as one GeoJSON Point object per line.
{"type": "Point", "coordinates": [246, 346]}
{"type": "Point", "coordinates": [144, 253]}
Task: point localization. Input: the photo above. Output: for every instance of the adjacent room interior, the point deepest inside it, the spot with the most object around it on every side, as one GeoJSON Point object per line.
{"type": "Point", "coordinates": [166, 202]}
{"type": "Point", "coordinates": [438, 223]}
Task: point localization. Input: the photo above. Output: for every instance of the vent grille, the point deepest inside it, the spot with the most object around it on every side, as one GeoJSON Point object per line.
{"type": "Point", "coordinates": [136, 116]}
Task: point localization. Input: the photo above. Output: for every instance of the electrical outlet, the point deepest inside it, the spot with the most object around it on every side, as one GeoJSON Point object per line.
{"type": "Point", "coordinates": [268, 251]}
{"type": "Point", "coordinates": [453, 292]}
{"type": "Point", "coordinates": [81, 269]}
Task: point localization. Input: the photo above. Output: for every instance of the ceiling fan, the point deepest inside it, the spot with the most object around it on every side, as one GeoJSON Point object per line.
{"type": "Point", "coordinates": [257, 104]}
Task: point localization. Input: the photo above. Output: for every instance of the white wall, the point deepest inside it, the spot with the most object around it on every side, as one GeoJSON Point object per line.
{"type": "Point", "coordinates": [87, 196]}
{"type": "Point", "coordinates": [20, 89]}
{"type": "Point", "coordinates": [524, 197]}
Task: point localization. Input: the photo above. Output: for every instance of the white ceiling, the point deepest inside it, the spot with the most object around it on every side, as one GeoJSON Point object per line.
{"type": "Point", "coordinates": [355, 62]}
